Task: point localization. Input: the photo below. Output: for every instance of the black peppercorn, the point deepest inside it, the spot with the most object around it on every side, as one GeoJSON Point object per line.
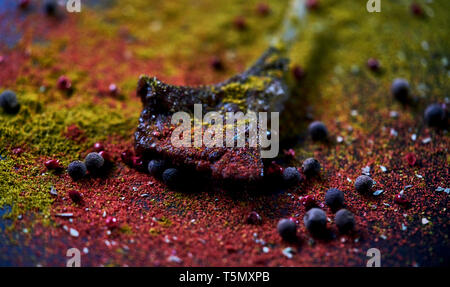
{"type": "Point", "coordinates": [9, 102]}
{"type": "Point", "coordinates": [334, 198]}
{"type": "Point", "coordinates": [311, 167]}
{"type": "Point", "coordinates": [291, 176]}
{"type": "Point", "coordinates": [318, 131]}
{"type": "Point", "coordinates": [434, 115]}
{"type": "Point", "coordinates": [287, 229]}
{"type": "Point", "coordinates": [363, 184]}
{"type": "Point", "coordinates": [345, 221]}
{"type": "Point", "coordinates": [315, 220]}
{"type": "Point", "coordinates": [77, 170]}
{"type": "Point", "coordinates": [171, 177]}
{"type": "Point", "coordinates": [94, 162]}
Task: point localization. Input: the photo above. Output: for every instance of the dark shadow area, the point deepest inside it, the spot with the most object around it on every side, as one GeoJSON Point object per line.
{"type": "Point", "coordinates": [299, 108]}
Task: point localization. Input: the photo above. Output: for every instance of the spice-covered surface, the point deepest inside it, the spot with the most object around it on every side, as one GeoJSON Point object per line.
{"type": "Point", "coordinates": [75, 76]}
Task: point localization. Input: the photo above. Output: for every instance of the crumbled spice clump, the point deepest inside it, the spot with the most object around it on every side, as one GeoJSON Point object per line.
{"type": "Point", "coordinates": [129, 217]}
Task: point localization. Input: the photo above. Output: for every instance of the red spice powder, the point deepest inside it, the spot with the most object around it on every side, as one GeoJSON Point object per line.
{"type": "Point", "coordinates": [129, 218]}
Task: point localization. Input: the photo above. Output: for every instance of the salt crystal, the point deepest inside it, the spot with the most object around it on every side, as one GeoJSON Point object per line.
{"type": "Point", "coordinates": [288, 252]}
{"type": "Point", "coordinates": [64, 214]}
{"type": "Point", "coordinates": [383, 168]}
{"type": "Point", "coordinates": [73, 232]}
{"type": "Point", "coordinates": [176, 259]}
{"type": "Point", "coordinates": [393, 114]}
{"type": "Point", "coordinates": [426, 140]}
{"type": "Point", "coordinates": [378, 192]}
{"type": "Point", "coordinates": [446, 190]}
{"type": "Point", "coordinates": [404, 227]}
{"type": "Point", "coordinates": [53, 191]}
{"type": "Point", "coordinates": [366, 170]}
{"type": "Point", "coordinates": [425, 221]}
